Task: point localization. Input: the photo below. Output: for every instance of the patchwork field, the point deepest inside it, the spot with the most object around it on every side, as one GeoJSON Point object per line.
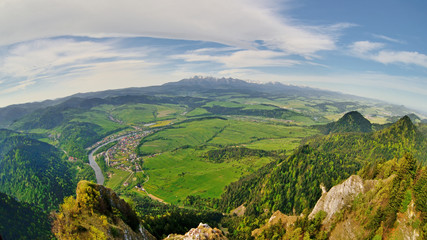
{"type": "Point", "coordinates": [181, 168]}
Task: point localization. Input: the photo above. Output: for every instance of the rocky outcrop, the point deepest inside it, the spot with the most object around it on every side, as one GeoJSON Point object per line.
{"type": "Point", "coordinates": [278, 217]}
{"type": "Point", "coordinates": [405, 229]}
{"type": "Point", "coordinates": [202, 232]}
{"type": "Point", "coordinates": [338, 197]}
{"type": "Point", "coordinates": [239, 211]}
{"type": "Point", "coordinates": [97, 213]}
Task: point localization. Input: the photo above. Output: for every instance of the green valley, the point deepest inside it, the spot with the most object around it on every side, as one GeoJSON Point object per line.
{"type": "Point", "coordinates": [201, 148]}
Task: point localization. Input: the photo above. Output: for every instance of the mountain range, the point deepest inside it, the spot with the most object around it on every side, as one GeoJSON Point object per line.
{"type": "Point", "coordinates": [197, 87]}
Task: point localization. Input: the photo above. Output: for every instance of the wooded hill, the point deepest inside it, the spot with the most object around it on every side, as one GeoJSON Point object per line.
{"type": "Point", "coordinates": [33, 171]}
{"type": "Point", "coordinates": [292, 184]}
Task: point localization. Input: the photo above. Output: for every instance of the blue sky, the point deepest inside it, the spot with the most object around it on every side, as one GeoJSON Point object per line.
{"type": "Point", "coordinates": [51, 49]}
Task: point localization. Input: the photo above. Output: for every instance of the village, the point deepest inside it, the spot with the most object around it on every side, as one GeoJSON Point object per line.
{"type": "Point", "coordinates": [122, 155]}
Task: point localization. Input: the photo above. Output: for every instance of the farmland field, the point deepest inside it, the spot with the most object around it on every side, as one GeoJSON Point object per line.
{"type": "Point", "coordinates": [181, 168]}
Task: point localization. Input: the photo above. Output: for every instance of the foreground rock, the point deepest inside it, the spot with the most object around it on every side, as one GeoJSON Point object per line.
{"type": "Point", "coordinates": [202, 232]}
{"type": "Point", "coordinates": [97, 213]}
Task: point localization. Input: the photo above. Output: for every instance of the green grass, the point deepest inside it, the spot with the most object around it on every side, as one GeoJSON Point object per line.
{"type": "Point", "coordinates": [197, 112]}
{"type": "Point", "coordinates": [224, 104]}
{"type": "Point", "coordinates": [117, 179]}
{"type": "Point", "coordinates": [238, 132]}
{"type": "Point", "coordinates": [287, 144]}
{"type": "Point", "coordinates": [175, 175]}
{"type": "Point", "coordinates": [143, 113]}
{"type": "Point", "coordinates": [185, 134]}
{"type": "Point", "coordinates": [97, 117]}
{"type": "Point", "coordinates": [245, 105]}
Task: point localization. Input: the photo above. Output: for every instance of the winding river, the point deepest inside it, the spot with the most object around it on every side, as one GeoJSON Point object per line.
{"type": "Point", "coordinates": [98, 173]}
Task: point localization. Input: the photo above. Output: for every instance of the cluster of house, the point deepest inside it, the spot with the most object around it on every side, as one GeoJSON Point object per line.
{"type": "Point", "coordinates": [123, 152]}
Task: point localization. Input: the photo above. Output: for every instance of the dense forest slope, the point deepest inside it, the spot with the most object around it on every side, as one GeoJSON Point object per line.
{"type": "Point", "coordinates": [33, 171]}
{"type": "Point", "coordinates": [292, 185]}
{"type": "Point", "coordinates": [19, 220]}
{"type": "Point", "coordinates": [385, 201]}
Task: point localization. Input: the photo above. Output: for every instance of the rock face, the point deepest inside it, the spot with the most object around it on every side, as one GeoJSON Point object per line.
{"type": "Point", "coordinates": [338, 197]}
{"type": "Point", "coordinates": [202, 232]}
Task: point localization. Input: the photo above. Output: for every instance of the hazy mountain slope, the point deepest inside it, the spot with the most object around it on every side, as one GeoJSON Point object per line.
{"type": "Point", "coordinates": [213, 87]}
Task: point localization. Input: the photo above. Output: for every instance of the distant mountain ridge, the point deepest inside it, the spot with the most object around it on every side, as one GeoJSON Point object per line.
{"type": "Point", "coordinates": [196, 87]}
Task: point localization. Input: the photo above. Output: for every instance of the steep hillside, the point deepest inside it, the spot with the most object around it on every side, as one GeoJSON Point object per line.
{"type": "Point", "coordinates": [292, 185]}
{"type": "Point", "coordinates": [392, 205]}
{"type": "Point", "coordinates": [97, 213]}
{"type": "Point", "coordinates": [19, 220]}
{"type": "Point", "coordinates": [33, 171]}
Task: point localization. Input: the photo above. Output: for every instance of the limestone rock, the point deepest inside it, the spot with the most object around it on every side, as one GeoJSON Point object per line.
{"type": "Point", "coordinates": [277, 218]}
{"type": "Point", "coordinates": [338, 197]}
{"type": "Point", "coordinates": [202, 232]}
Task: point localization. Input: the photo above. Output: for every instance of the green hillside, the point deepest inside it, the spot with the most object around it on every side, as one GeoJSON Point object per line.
{"type": "Point", "coordinates": [350, 122]}
{"type": "Point", "coordinates": [20, 220]}
{"type": "Point", "coordinates": [293, 184]}
{"type": "Point", "coordinates": [211, 144]}
{"type": "Point", "coordinates": [391, 204]}
{"type": "Point", "coordinates": [33, 171]}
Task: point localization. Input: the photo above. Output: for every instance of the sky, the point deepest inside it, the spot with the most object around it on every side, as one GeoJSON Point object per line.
{"type": "Point", "coordinates": [52, 48]}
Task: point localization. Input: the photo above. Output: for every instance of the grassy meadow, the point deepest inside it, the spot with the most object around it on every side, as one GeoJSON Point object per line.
{"type": "Point", "coordinates": [181, 168]}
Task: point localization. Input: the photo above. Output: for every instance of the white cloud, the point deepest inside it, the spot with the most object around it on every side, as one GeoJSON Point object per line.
{"type": "Point", "coordinates": [404, 57]}
{"type": "Point", "coordinates": [231, 22]}
{"type": "Point", "coordinates": [241, 59]}
{"type": "Point", "coordinates": [387, 38]}
{"type": "Point", "coordinates": [89, 77]}
{"type": "Point", "coordinates": [34, 59]}
{"type": "Point", "coordinates": [371, 51]}
{"type": "Point", "coordinates": [20, 86]}
{"type": "Point", "coordinates": [69, 66]}
{"type": "Point", "coordinates": [364, 47]}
